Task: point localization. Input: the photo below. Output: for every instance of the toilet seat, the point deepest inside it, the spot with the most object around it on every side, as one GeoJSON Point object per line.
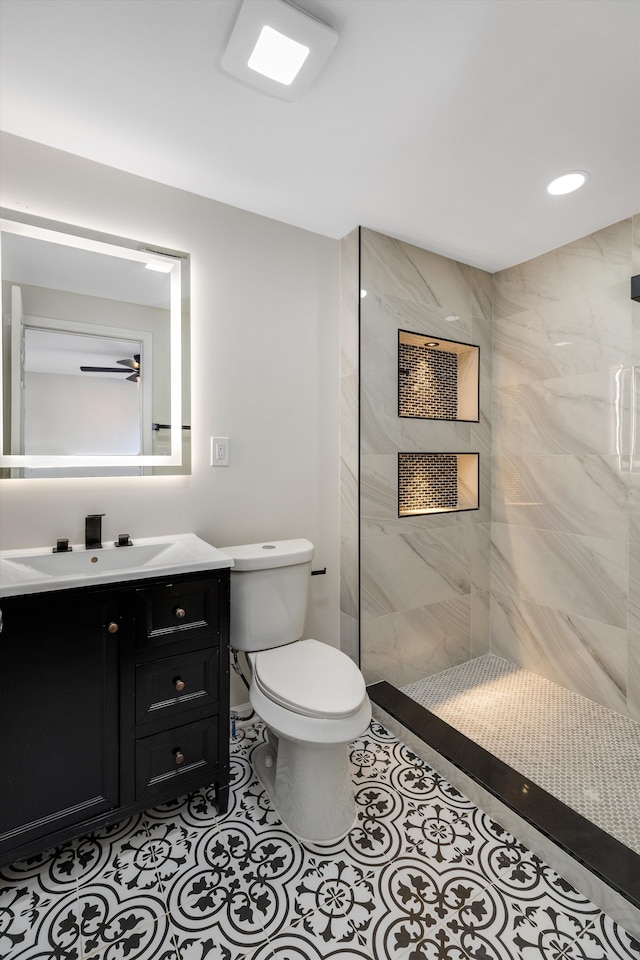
{"type": "Point", "coordinates": [311, 679]}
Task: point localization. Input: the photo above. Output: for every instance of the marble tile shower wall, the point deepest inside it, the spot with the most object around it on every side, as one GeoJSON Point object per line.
{"type": "Point", "coordinates": [424, 580]}
{"type": "Point", "coordinates": [565, 567]}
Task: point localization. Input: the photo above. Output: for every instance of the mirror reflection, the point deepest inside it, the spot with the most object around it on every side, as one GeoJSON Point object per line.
{"type": "Point", "coordinates": [93, 332]}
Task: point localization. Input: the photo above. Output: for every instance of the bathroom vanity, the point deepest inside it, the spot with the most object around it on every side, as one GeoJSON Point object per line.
{"type": "Point", "coordinates": [115, 693]}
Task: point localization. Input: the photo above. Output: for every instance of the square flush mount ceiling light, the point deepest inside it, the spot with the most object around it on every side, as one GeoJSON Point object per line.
{"type": "Point", "coordinates": [277, 48]}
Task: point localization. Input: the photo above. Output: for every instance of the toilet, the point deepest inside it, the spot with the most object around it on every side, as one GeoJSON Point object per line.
{"type": "Point", "coordinates": [311, 696]}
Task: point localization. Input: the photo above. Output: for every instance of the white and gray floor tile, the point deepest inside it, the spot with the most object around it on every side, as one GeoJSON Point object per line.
{"type": "Point", "coordinates": [423, 875]}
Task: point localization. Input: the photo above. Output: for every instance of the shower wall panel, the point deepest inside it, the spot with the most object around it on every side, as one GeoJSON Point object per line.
{"type": "Point", "coordinates": [566, 467]}
{"type": "Point", "coordinates": [424, 580]}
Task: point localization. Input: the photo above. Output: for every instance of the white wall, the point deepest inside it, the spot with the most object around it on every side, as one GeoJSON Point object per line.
{"type": "Point", "coordinates": [264, 371]}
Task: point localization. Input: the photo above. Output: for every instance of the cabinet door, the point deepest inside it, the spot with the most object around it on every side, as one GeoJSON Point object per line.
{"type": "Point", "coordinates": [58, 714]}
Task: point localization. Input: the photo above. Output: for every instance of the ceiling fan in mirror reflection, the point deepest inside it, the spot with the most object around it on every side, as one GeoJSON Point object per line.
{"type": "Point", "coordinates": [131, 364]}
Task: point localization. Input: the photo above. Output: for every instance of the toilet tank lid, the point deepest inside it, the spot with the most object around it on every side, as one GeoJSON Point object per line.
{"type": "Point", "coordinates": [270, 553]}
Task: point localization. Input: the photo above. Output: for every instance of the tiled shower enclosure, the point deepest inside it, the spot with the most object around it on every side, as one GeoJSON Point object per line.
{"type": "Point", "coordinates": [546, 572]}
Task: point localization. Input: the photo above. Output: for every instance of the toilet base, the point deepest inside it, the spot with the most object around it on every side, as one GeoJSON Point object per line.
{"type": "Point", "coordinates": [309, 786]}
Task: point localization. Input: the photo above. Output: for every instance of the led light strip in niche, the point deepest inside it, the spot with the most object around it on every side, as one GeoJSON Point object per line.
{"type": "Point", "coordinates": [437, 483]}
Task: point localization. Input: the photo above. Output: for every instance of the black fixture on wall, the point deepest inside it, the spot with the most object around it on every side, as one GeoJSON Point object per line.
{"type": "Point", "coordinates": [635, 287]}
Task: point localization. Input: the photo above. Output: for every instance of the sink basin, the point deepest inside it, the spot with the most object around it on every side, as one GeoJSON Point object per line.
{"type": "Point", "coordinates": [36, 571]}
{"type": "Point", "coordinates": [91, 561]}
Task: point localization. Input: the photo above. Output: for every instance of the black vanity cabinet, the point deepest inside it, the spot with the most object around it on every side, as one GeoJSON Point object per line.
{"type": "Point", "coordinates": [112, 699]}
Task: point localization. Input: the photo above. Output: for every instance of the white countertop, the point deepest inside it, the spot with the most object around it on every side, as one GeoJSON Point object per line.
{"type": "Point", "coordinates": [38, 570]}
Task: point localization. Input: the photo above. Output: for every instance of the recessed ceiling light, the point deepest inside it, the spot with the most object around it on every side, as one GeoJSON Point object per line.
{"type": "Point", "coordinates": [278, 56]}
{"type": "Point", "coordinates": [567, 183]}
{"type": "Point", "coordinates": [160, 266]}
{"type": "Point", "coordinates": [277, 48]}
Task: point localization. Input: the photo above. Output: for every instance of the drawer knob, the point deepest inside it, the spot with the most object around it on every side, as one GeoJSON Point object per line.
{"type": "Point", "coordinates": [113, 627]}
{"type": "Point", "coordinates": [179, 612]}
{"type": "Point", "coordinates": [179, 757]}
{"type": "Point", "coordinates": [179, 684]}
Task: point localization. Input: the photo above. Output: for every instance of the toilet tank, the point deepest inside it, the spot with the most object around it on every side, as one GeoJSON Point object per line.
{"type": "Point", "coordinates": [269, 587]}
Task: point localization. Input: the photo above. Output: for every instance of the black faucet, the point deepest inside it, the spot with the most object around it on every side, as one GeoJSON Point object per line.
{"type": "Point", "coordinates": [93, 531]}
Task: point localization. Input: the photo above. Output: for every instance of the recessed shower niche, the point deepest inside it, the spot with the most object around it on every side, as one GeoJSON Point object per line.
{"type": "Point", "coordinates": [437, 379]}
{"type": "Point", "coordinates": [437, 483]}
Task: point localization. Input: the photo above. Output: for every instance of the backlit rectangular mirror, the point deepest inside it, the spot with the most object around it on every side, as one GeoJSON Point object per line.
{"type": "Point", "coordinates": [94, 353]}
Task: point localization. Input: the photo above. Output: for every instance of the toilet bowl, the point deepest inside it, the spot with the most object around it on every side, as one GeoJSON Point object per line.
{"type": "Point", "coordinates": [304, 766]}
{"type": "Point", "coordinates": [311, 696]}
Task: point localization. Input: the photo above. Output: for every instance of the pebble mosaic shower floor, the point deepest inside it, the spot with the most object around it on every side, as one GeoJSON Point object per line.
{"type": "Point", "coordinates": [423, 875]}
{"type": "Point", "coordinates": [577, 750]}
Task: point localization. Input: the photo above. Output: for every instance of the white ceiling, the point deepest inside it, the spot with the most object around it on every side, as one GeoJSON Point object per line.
{"type": "Point", "coordinates": [436, 121]}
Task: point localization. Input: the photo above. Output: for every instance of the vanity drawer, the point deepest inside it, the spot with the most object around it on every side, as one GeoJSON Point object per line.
{"type": "Point", "coordinates": [181, 754]}
{"type": "Point", "coordinates": [185, 611]}
{"type": "Point", "coordinates": [168, 687]}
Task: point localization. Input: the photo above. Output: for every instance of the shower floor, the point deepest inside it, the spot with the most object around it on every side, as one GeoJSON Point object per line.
{"type": "Point", "coordinates": [578, 751]}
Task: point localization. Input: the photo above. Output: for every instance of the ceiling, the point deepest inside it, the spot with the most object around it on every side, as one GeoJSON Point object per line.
{"type": "Point", "coordinates": [53, 351]}
{"type": "Point", "coordinates": [59, 266]}
{"type": "Point", "coordinates": [439, 122]}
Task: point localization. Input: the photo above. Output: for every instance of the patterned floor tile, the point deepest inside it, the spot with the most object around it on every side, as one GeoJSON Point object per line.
{"type": "Point", "coordinates": [377, 754]}
{"type": "Point", "coordinates": [111, 928]}
{"type": "Point", "coordinates": [418, 902]}
{"type": "Point", "coordinates": [253, 805]}
{"type": "Point", "coordinates": [36, 923]}
{"type": "Point", "coordinates": [422, 875]}
{"type": "Point", "coordinates": [120, 850]}
{"type": "Point", "coordinates": [239, 882]}
{"type": "Point", "coordinates": [303, 946]}
{"type": "Point", "coordinates": [197, 809]}
{"type": "Point", "coordinates": [606, 940]}
{"type": "Point", "coordinates": [526, 880]}
{"type": "Point", "coordinates": [440, 833]}
{"type": "Point", "coordinates": [553, 934]}
{"type": "Point", "coordinates": [515, 871]}
{"type": "Point", "coordinates": [185, 946]}
{"type": "Point", "coordinates": [123, 857]}
{"type": "Point", "coordinates": [53, 871]}
{"type": "Point", "coordinates": [336, 900]}
{"type": "Point", "coordinates": [247, 735]}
